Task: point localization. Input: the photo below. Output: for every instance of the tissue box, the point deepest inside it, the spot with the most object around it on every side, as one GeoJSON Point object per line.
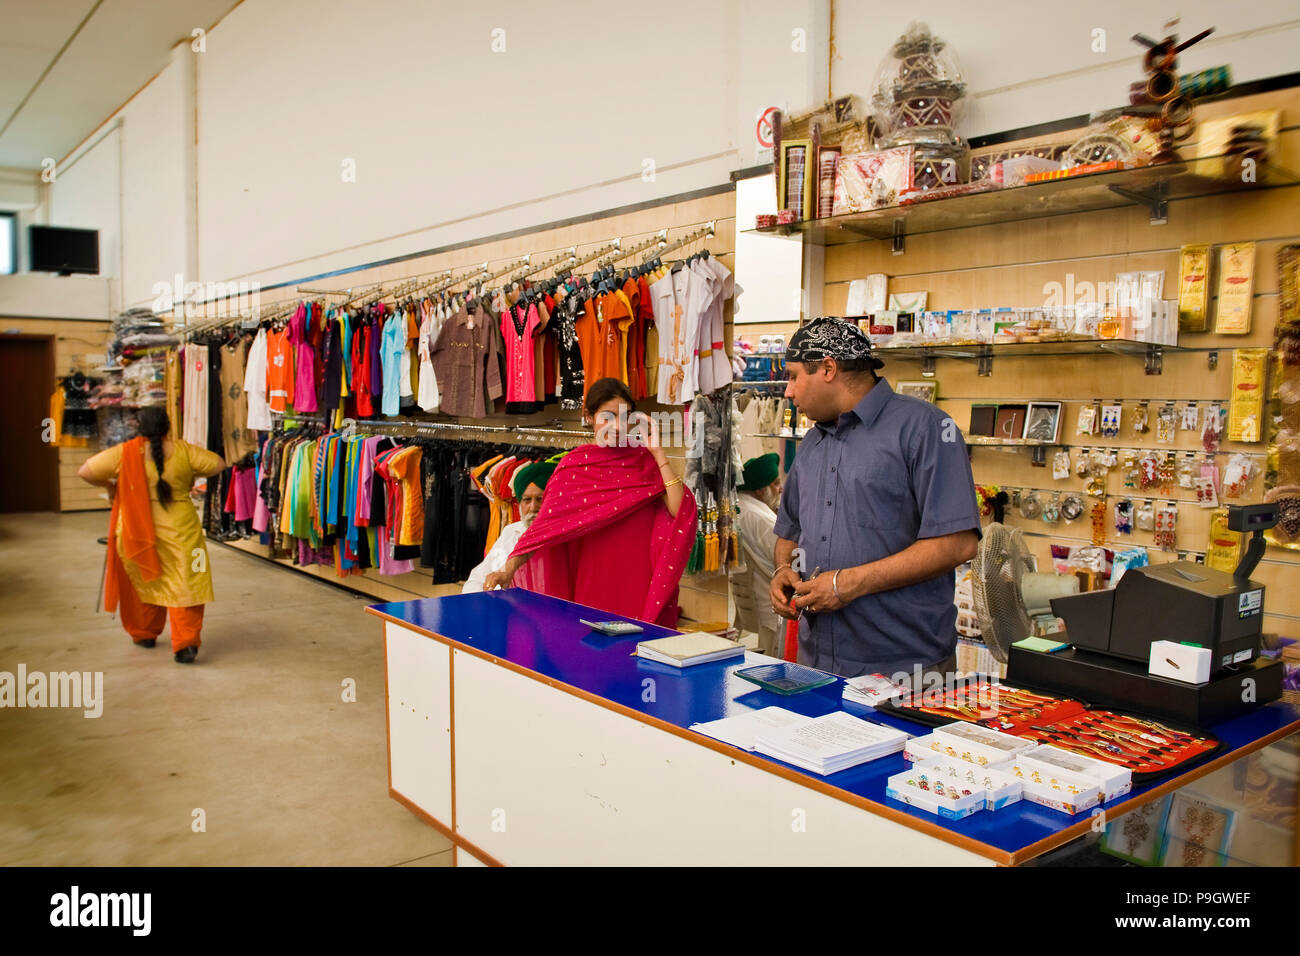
{"type": "Point", "coordinates": [929, 790]}
{"type": "Point", "coordinates": [1180, 662]}
{"type": "Point", "coordinates": [1057, 789]}
{"type": "Point", "coordinates": [930, 746]}
{"type": "Point", "coordinates": [1114, 781]}
{"type": "Point", "coordinates": [999, 787]}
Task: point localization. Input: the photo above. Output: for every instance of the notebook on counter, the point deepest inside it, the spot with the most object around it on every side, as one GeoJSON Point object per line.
{"type": "Point", "coordinates": [686, 650]}
{"type": "Point", "coordinates": [742, 730]}
{"type": "Point", "coordinates": [830, 743]}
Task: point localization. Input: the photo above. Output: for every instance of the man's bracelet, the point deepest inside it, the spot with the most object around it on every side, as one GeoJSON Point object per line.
{"type": "Point", "coordinates": [835, 585]}
{"type": "Point", "coordinates": [779, 567]}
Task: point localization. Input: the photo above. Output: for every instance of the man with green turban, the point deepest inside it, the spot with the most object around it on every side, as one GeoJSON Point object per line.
{"type": "Point", "coordinates": [528, 483]}
{"type": "Point", "coordinates": [760, 494]}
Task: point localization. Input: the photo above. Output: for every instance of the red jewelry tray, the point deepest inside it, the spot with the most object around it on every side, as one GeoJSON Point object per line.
{"type": "Point", "coordinates": [1156, 755]}
{"type": "Point", "coordinates": [1000, 717]}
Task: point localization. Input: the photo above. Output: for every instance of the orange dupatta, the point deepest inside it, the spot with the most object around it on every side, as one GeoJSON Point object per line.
{"type": "Point", "coordinates": [132, 503]}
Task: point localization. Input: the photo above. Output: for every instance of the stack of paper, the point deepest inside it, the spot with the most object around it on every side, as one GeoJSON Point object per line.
{"type": "Point", "coordinates": [870, 689]}
{"type": "Point", "coordinates": [683, 650]}
{"type": "Point", "coordinates": [742, 730]}
{"type": "Point", "coordinates": [830, 743]}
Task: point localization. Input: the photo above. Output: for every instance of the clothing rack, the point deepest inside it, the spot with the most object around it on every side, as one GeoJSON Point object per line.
{"type": "Point", "coordinates": [707, 232]}
{"type": "Point", "coordinates": [530, 431]}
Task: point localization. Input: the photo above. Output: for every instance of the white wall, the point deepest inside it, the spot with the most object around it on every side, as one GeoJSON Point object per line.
{"type": "Point", "coordinates": [1027, 64]}
{"type": "Point", "coordinates": [453, 141]}
{"type": "Point", "coordinates": [87, 195]}
{"type": "Point", "coordinates": [450, 140]}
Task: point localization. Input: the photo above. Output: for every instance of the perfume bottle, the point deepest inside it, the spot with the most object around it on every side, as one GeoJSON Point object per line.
{"type": "Point", "coordinates": [1109, 326]}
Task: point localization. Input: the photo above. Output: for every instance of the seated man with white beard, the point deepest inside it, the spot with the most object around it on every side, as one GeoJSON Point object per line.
{"type": "Point", "coordinates": [528, 483]}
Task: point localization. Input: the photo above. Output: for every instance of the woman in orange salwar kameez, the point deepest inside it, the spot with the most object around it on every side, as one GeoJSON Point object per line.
{"type": "Point", "coordinates": [157, 562]}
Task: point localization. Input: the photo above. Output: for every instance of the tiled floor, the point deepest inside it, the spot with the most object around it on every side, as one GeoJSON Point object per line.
{"type": "Point", "coordinates": [255, 734]}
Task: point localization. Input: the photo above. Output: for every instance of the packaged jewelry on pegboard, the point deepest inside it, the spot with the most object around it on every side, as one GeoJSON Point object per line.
{"type": "Point", "coordinates": [1061, 465]}
{"type": "Point", "coordinates": [1187, 471]}
{"type": "Point", "coordinates": [1210, 469]}
{"type": "Point", "coordinates": [1110, 420]}
{"type": "Point", "coordinates": [1167, 474]}
{"type": "Point", "coordinates": [1167, 425]}
{"type": "Point", "coordinates": [1237, 476]}
{"type": "Point", "coordinates": [1071, 507]}
{"type": "Point", "coordinates": [1052, 509]}
{"type": "Point", "coordinates": [1207, 496]}
{"type": "Point", "coordinates": [1099, 523]}
{"type": "Point", "coordinates": [1087, 424]}
{"type": "Point", "coordinates": [1212, 427]}
{"type": "Point", "coordinates": [1144, 516]}
{"type": "Point", "coordinates": [1083, 464]}
{"type": "Point", "coordinates": [1166, 529]}
{"type": "Point", "coordinates": [1124, 516]}
{"type": "Point", "coordinates": [1148, 470]}
{"type": "Point", "coordinates": [1190, 420]}
{"type": "Point", "coordinates": [1030, 505]}
{"type": "Point", "coordinates": [1129, 465]}
{"type": "Point", "coordinates": [1141, 419]}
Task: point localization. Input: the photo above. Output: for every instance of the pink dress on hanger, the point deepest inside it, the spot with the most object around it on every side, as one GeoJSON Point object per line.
{"type": "Point", "coordinates": [521, 369]}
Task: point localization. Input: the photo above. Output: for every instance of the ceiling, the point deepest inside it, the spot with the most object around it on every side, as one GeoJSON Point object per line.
{"type": "Point", "coordinates": [97, 54]}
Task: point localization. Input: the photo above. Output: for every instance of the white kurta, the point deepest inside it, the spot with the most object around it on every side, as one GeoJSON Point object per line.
{"type": "Point", "coordinates": [758, 542]}
{"type": "Point", "coordinates": [496, 557]}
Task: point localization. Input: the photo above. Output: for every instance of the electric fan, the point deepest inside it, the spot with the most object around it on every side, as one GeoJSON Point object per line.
{"type": "Point", "coordinates": [1009, 593]}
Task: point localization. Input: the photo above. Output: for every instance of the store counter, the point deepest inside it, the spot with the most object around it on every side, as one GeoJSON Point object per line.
{"type": "Point", "coordinates": [529, 739]}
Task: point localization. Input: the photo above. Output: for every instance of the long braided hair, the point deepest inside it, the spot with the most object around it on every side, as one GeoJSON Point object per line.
{"type": "Point", "coordinates": [154, 426]}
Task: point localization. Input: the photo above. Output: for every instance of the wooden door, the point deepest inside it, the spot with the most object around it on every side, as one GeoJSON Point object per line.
{"type": "Point", "coordinates": [29, 478]}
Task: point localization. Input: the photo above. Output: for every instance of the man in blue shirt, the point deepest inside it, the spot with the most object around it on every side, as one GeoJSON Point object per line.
{"type": "Point", "coordinates": [876, 513]}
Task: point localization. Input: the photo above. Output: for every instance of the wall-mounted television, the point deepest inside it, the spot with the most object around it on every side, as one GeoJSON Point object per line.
{"type": "Point", "coordinates": [63, 250]}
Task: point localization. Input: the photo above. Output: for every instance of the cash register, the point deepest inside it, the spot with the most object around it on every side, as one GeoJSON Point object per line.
{"type": "Point", "coordinates": [1111, 632]}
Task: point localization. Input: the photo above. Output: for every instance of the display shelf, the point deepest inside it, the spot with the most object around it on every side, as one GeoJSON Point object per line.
{"type": "Point", "coordinates": [1019, 442]}
{"type": "Point", "coordinates": [1153, 187]}
{"type": "Point", "coordinates": [1152, 353]}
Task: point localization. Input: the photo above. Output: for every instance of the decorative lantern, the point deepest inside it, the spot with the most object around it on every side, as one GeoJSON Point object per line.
{"type": "Point", "coordinates": [917, 101]}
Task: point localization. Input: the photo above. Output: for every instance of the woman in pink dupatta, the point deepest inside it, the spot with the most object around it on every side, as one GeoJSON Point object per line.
{"type": "Point", "coordinates": [616, 526]}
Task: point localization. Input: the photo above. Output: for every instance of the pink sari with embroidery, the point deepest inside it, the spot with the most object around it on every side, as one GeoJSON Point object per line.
{"type": "Point", "coordinates": [604, 537]}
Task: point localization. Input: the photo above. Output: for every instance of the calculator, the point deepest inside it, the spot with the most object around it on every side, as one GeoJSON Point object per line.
{"type": "Point", "coordinates": [613, 628]}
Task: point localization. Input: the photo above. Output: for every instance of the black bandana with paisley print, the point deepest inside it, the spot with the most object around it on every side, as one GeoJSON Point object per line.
{"type": "Point", "coordinates": [830, 338]}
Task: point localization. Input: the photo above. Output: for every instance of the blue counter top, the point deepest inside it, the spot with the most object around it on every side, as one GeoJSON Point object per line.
{"type": "Point", "coordinates": [541, 635]}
